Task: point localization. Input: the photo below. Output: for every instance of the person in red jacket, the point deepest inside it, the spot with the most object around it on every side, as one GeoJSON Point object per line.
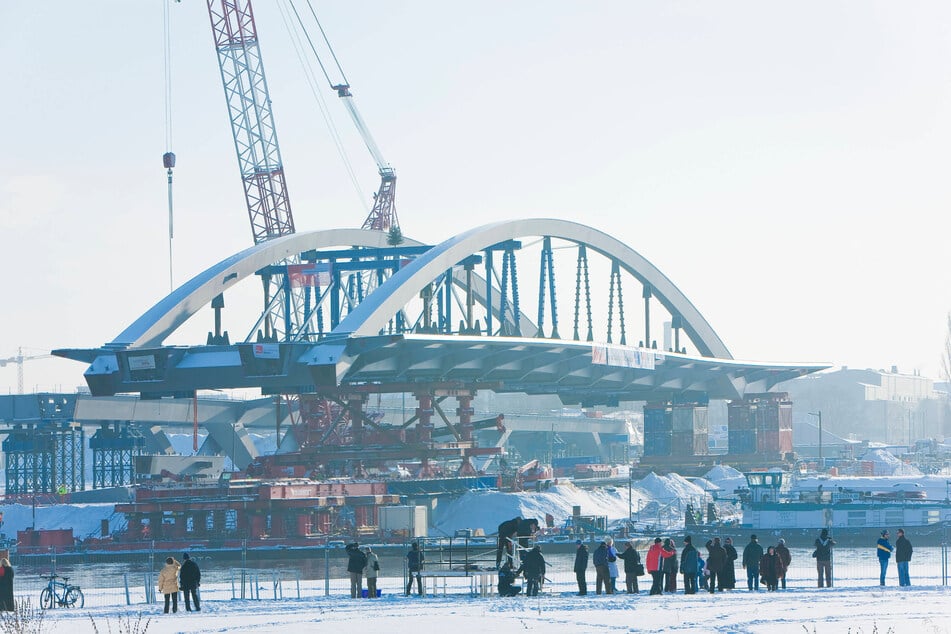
{"type": "Point", "coordinates": [655, 557]}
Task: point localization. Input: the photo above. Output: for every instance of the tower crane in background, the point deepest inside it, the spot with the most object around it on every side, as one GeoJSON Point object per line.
{"type": "Point", "coordinates": [18, 360]}
{"type": "Point", "coordinates": [382, 216]}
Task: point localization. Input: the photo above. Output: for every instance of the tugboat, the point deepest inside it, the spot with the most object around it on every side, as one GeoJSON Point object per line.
{"type": "Point", "coordinates": [771, 509]}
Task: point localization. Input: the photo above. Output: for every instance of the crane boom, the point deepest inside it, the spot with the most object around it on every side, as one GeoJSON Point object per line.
{"type": "Point", "coordinates": [252, 122]}
{"type": "Point", "coordinates": [383, 215]}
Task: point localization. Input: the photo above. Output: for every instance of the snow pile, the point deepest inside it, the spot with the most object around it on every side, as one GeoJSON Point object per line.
{"type": "Point", "coordinates": [885, 463]}
{"type": "Point", "coordinates": [669, 488]}
{"type": "Point", "coordinates": [706, 485]}
{"type": "Point", "coordinates": [727, 478]}
{"type": "Point", "coordinates": [488, 509]}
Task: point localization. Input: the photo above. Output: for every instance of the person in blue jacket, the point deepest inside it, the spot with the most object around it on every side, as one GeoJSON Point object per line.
{"type": "Point", "coordinates": [884, 550]}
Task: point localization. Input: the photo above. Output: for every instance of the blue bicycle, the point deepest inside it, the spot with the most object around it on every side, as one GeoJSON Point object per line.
{"type": "Point", "coordinates": [60, 594]}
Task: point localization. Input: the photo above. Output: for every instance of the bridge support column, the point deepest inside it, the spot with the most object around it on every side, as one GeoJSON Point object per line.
{"type": "Point", "coordinates": [424, 429]}
{"type": "Point", "coordinates": [465, 412]}
{"type": "Point", "coordinates": [355, 407]}
{"type": "Point", "coordinates": [355, 411]}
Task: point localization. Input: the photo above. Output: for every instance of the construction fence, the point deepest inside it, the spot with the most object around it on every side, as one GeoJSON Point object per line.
{"type": "Point", "coordinates": [322, 574]}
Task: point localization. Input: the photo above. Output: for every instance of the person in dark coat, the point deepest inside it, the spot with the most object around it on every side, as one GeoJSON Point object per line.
{"type": "Point", "coordinates": [671, 566]}
{"type": "Point", "coordinates": [414, 562]}
{"type": "Point", "coordinates": [884, 550]}
{"type": "Point", "coordinates": [689, 565]}
{"type": "Point", "coordinates": [728, 575]}
{"type": "Point", "coordinates": [581, 568]}
{"type": "Point", "coordinates": [356, 562]}
{"type": "Point", "coordinates": [602, 577]}
{"type": "Point", "coordinates": [902, 557]}
{"type": "Point", "coordinates": [751, 556]}
{"type": "Point", "coordinates": [507, 587]}
{"type": "Point", "coordinates": [189, 578]}
{"type": "Point", "coordinates": [7, 604]}
{"type": "Point", "coordinates": [716, 560]}
{"type": "Point", "coordinates": [771, 568]}
{"type": "Point", "coordinates": [823, 555]}
{"type": "Point", "coordinates": [507, 530]}
{"type": "Point", "coordinates": [525, 531]}
{"type": "Point", "coordinates": [786, 556]}
{"type": "Point", "coordinates": [632, 560]}
{"type": "Point", "coordinates": [533, 566]}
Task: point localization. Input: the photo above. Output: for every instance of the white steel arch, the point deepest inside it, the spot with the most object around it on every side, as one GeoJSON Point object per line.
{"type": "Point", "coordinates": [153, 327]}
{"type": "Point", "coordinates": [371, 316]}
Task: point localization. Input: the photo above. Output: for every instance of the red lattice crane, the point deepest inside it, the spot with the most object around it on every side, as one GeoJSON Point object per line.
{"type": "Point", "coordinates": [252, 122]}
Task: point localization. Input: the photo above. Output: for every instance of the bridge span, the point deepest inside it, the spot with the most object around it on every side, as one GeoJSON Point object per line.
{"type": "Point", "coordinates": [347, 315]}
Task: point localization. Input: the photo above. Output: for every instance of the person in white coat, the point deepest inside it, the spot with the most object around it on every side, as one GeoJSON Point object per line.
{"type": "Point", "coordinates": [371, 572]}
{"type": "Point", "coordinates": [612, 563]}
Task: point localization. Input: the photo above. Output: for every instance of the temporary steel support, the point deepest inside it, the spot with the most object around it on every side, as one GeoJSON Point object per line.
{"type": "Point", "coordinates": [45, 459]}
{"type": "Point", "coordinates": [113, 455]}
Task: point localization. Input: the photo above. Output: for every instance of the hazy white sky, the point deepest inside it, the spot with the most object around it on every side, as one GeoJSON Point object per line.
{"type": "Point", "coordinates": [785, 164]}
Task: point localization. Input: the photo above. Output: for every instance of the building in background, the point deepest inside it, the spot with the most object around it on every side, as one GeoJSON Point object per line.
{"type": "Point", "coordinates": [875, 405]}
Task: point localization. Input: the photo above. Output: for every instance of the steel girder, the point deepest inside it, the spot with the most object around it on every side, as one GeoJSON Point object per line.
{"type": "Point", "coordinates": [355, 352]}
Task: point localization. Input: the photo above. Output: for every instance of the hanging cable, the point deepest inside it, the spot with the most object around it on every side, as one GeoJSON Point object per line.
{"type": "Point", "coordinates": [311, 76]}
{"type": "Point", "coordinates": [327, 42]}
{"type": "Point", "coordinates": [168, 159]}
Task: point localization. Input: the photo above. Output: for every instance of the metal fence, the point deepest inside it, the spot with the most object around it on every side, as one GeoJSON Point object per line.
{"type": "Point", "coordinates": [108, 583]}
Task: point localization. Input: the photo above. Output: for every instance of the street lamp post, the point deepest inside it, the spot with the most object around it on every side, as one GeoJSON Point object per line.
{"type": "Point", "coordinates": [630, 496]}
{"type": "Point", "coordinates": [819, 416]}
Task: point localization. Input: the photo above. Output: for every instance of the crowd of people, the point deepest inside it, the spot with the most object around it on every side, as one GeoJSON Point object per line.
{"type": "Point", "coordinates": [713, 570]}
{"type": "Point", "coordinates": [716, 571]}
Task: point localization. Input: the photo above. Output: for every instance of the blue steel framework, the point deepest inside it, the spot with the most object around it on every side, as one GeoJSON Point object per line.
{"type": "Point", "coordinates": [391, 321]}
{"type": "Point", "coordinates": [359, 338]}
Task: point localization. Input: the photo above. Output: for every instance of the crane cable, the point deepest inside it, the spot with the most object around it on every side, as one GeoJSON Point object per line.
{"type": "Point", "coordinates": [168, 159]}
{"type": "Point", "coordinates": [310, 75]}
{"type": "Point", "coordinates": [167, 40]}
{"type": "Point", "coordinates": [329, 48]}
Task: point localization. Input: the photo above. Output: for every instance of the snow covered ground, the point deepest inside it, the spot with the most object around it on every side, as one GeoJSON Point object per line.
{"type": "Point", "coordinates": [853, 610]}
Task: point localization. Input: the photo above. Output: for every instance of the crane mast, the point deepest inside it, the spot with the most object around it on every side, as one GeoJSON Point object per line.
{"type": "Point", "coordinates": [18, 360]}
{"type": "Point", "coordinates": [252, 122]}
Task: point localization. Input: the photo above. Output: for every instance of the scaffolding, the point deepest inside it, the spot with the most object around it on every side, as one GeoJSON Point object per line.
{"type": "Point", "coordinates": [113, 455]}
{"type": "Point", "coordinates": [45, 458]}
